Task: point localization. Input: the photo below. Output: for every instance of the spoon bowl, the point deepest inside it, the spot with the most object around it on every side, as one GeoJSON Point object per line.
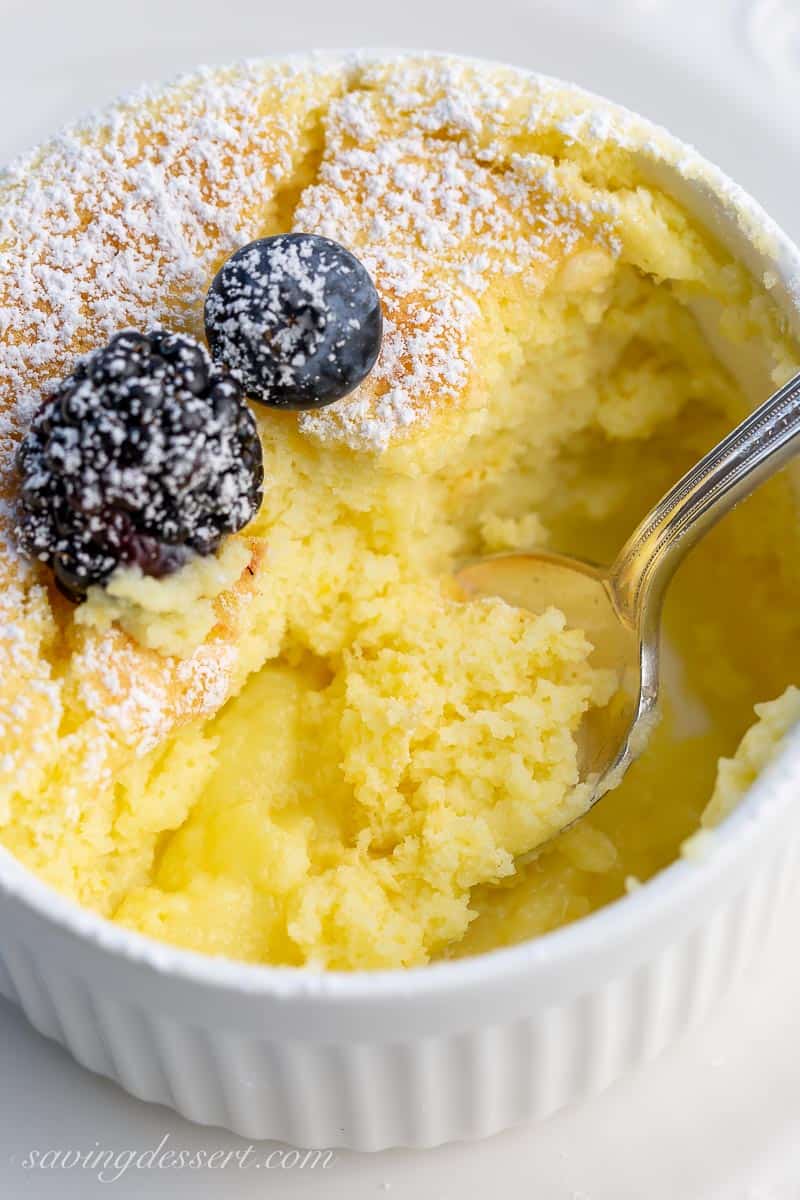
{"type": "Point", "coordinates": [619, 607]}
{"type": "Point", "coordinates": [584, 594]}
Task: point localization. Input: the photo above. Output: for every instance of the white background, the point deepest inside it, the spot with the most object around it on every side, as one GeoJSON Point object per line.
{"type": "Point", "coordinates": [719, 1117]}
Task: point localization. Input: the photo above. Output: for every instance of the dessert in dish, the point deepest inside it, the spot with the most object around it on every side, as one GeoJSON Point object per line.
{"type": "Point", "coordinates": [299, 744]}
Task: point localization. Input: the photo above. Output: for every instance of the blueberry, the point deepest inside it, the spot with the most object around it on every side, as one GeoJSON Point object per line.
{"type": "Point", "coordinates": [296, 318]}
{"type": "Point", "coordinates": [146, 454]}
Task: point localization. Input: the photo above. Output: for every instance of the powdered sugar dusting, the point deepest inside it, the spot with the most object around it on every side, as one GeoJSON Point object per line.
{"type": "Point", "coordinates": [117, 223]}
{"type": "Point", "coordinates": [417, 180]}
{"type": "Point", "coordinates": [134, 697]}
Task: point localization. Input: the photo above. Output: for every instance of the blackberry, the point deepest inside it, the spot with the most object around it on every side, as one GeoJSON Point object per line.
{"type": "Point", "coordinates": [296, 318]}
{"type": "Point", "coordinates": [146, 453]}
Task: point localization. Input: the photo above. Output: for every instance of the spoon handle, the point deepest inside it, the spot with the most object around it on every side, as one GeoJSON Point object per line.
{"type": "Point", "coordinates": [752, 452]}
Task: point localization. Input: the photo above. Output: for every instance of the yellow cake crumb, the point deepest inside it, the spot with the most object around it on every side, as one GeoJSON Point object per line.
{"type": "Point", "coordinates": [756, 749]}
{"type": "Point", "coordinates": [440, 747]}
{"type": "Point", "coordinates": [173, 615]}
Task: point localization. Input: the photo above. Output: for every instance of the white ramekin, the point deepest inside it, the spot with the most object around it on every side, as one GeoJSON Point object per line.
{"type": "Point", "coordinates": [456, 1050]}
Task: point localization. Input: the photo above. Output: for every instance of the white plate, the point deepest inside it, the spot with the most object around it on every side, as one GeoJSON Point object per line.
{"type": "Point", "coordinates": [718, 1118]}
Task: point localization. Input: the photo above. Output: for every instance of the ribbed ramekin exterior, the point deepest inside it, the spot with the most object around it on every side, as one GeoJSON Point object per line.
{"type": "Point", "coordinates": [405, 1090]}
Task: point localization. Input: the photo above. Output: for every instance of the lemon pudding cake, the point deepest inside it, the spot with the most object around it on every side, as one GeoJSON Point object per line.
{"type": "Point", "coordinates": [245, 709]}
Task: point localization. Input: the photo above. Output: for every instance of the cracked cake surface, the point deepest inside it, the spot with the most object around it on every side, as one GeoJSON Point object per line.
{"type": "Point", "coordinates": [403, 747]}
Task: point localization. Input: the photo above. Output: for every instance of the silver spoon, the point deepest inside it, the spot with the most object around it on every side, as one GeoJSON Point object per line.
{"type": "Point", "coordinates": [619, 607]}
